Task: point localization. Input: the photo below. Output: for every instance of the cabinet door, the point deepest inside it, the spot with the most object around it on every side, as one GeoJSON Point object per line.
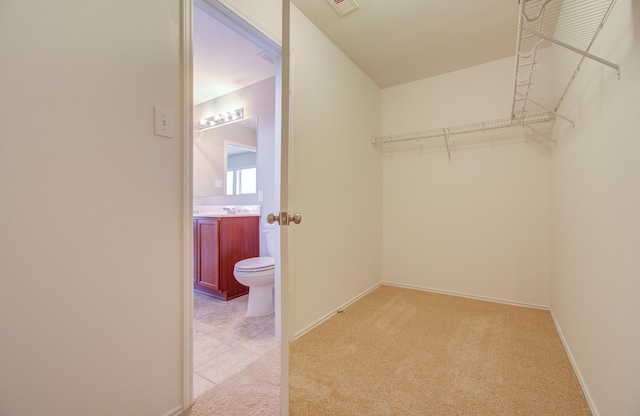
{"type": "Point", "coordinates": [209, 254]}
{"type": "Point", "coordinates": [239, 240]}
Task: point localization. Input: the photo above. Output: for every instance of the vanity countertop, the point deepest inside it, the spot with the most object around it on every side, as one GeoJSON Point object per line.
{"type": "Point", "coordinates": [223, 211]}
{"type": "Point", "coordinates": [223, 214]}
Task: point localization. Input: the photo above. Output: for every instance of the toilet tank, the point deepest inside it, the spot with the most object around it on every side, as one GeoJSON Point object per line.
{"type": "Point", "coordinates": [270, 230]}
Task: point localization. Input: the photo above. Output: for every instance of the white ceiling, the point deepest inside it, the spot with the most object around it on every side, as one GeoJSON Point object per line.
{"type": "Point", "coordinates": [223, 61]}
{"type": "Point", "coordinates": [398, 41]}
{"type": "Point", "coordinates": [392, 41]}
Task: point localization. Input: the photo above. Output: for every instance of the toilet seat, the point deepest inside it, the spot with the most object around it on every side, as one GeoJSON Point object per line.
{"type": "Point", "coordinates": [255, 265]}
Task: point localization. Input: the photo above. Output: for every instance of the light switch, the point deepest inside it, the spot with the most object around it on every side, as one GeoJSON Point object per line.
{"type": "Point", "coordinates": [163, 122]}
{"type": "Point", "coordinates": [218, 183]}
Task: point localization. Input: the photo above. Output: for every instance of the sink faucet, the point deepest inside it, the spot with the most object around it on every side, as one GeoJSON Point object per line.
{"type": "Point", "coordinates": [229, 210]}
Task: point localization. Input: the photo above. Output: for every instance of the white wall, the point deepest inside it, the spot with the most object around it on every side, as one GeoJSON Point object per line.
{"type": "Point", "coordinates": [264, 15]}
{"type": "Point", "coordinates": [596, 220]}
{"type": "Point", "coordinates": [91, 233]}
{"type": "Point", "coordinates": [478, 225]}
{"type": "Point", "coordinates": [336, 176]}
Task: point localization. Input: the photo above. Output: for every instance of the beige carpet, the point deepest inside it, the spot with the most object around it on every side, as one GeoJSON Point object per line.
{"type": "Point", "coordinates": [406, 352]}
{"type": "Point", "coordinates": [253, 392]}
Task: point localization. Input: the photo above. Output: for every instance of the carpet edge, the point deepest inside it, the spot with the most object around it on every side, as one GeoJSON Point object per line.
{"type": "Point", "coordinates": [467, 295]}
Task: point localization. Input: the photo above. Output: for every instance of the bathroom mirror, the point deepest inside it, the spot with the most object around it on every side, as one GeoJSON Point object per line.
{"type": "Point", "coordinates": [230, 146]}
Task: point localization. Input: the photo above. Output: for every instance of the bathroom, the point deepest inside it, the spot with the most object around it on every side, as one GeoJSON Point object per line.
{"type": "Point", "coordinates": [234, 175]}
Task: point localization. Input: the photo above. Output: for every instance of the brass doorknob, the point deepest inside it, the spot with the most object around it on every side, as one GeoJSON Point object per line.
{"type": "Point", "coordinates": [284, 218]}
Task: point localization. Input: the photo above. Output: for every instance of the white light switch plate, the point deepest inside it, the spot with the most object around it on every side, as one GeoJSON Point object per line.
{"type": "Point", "coordinates": [163, 122]}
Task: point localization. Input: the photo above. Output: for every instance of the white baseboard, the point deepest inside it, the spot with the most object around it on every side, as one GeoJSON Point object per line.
{"type": "Point", "coordinates": [467, 295]}
{"type": "Point", "coordinates": [583, 384]}
{"type": "Point", "coordinates": [333, 312]}
{"type": "Point", "coordinates": [176, 411]}
{"type": "Point", "coordinates": [309, 327]}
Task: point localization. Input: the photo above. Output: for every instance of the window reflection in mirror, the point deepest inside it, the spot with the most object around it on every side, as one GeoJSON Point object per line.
{"type": "Point", "coordinates": [241, 169]}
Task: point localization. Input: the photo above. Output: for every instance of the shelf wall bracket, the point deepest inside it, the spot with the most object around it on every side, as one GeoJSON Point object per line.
{"type": "Point", "coordinates": [446, 141]}
{"type": "Point", "coordinates": [546, 136]}
{"type": "Point", "coordinates": [571, 48]}
{"type": "Point", "coordinates": [555, 113]}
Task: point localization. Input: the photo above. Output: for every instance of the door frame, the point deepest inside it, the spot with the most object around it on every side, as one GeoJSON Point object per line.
{"type": "Point", "coordinates": [241, 24]}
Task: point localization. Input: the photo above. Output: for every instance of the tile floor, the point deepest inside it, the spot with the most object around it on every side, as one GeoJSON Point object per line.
{"type": "Point", "coordinates": [225, 341]}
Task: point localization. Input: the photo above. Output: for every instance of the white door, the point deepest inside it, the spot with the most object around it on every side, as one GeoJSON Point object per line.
{"type": "Point", "coordinates": [282, 268]}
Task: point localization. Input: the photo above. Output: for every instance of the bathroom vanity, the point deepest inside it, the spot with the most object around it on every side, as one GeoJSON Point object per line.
{"type": "Point", "coordinates": [219, 242]}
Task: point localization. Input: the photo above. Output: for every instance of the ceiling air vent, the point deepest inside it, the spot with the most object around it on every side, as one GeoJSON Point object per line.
{"type": "Point", "coordinates": [343, 7]}
{"type": "Point", "coordinates": [267, 57]}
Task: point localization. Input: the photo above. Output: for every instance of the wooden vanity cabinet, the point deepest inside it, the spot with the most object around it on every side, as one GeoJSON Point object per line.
{"type": "Point", "coordinates": [219, 243]}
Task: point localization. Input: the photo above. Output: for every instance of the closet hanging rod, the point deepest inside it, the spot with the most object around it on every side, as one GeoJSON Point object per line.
{"type": "Point", "coordinates": [447, 132]}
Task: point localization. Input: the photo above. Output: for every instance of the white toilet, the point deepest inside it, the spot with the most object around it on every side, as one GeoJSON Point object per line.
{"type": "Point", "coordinates": [258, 273]}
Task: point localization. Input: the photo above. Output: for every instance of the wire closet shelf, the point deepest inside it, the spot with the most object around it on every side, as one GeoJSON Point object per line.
{"type": "Point", "coordinates": [554, 38]}
{"type": "Point", "coordinates": [470, 128]}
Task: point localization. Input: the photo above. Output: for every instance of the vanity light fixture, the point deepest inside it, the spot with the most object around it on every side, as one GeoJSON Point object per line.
{"type": "Point", "coordinates": [220, 119]}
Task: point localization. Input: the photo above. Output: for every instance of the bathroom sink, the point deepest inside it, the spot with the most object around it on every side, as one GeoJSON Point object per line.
{"type": "Point", "coordinates": [224, 214]}
{"type": "Point", "coordinates": [226, 211]}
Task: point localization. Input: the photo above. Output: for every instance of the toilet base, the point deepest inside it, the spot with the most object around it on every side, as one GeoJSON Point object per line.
{"type": "Point", "coordinates": [260, 301]}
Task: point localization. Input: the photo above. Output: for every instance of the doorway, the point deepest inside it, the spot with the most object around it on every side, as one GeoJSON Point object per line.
{"type": "Point", "coordinates": [232, 37]}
